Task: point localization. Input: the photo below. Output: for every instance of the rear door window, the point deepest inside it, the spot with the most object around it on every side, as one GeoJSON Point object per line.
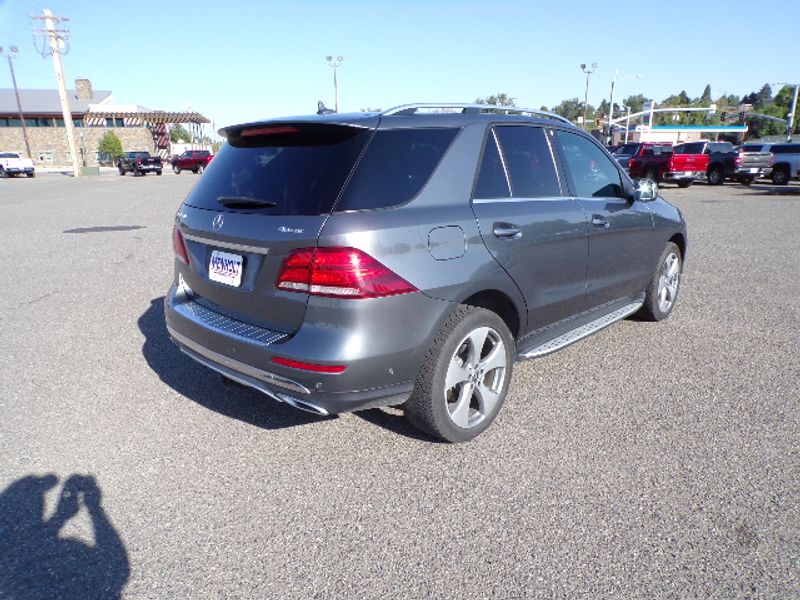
{"type": "Point", "coordinates": [693, 148]}
{"type": "Point", "coordinates": [396, 165]}
{"type": "Point", "coordinates": [301, 168]}
{"type": "Point", "coordinates": [592, 172]}
{"type": "Point", "coordinates": [492, 180]}
{"type": "Point", "coordinates": [529, 162]}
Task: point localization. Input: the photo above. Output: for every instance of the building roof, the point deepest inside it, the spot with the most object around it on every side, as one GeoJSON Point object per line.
{"type": "Point", "coordinates": [148, 116]}
{"type": "Point", "coordinates": [43, 102]}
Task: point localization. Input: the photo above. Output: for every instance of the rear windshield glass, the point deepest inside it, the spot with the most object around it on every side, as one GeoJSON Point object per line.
{"type": "Point", "coordinates": [395, 166]}
{"type": "Point", "coordinates": [627, 150]}
{"type": "Point", "coordinates": [786, 149]}
{"type": "Point", "coordinates": [297, 170]}
{"type": "Point", "coordinates": [695, 148]}
{"type": "Point", "coordinates": [8, 155]}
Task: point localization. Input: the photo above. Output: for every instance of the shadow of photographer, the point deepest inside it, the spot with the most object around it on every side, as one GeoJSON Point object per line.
{"type": "Point", "coordinates": [35, 562]}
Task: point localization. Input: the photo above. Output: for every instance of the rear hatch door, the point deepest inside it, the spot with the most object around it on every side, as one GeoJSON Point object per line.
{"type": "Point", "coordinates": [267, 192]}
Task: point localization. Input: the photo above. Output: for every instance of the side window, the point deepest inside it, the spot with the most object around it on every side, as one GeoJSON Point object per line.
{"type": "Point", "coordinates": [492, 181]}
{"type": "Point", "coordinates": [395, 166]}
{"type": "Point", "coordinates": [529, 162]}
{"type": "Point", "coordinates": [592, 173]}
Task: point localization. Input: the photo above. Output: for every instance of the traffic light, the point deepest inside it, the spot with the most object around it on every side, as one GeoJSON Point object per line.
{"type": "Point", "coordinates": [597, 122]}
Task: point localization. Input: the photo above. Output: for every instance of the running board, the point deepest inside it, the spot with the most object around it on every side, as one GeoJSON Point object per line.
{"type": "Point", "coordinates": [583, 331]}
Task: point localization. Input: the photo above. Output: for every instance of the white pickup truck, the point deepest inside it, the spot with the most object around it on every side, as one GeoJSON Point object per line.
{"type": "Point", "coordinates": [12, 164]}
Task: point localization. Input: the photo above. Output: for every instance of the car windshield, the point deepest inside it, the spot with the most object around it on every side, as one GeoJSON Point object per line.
{"type": "Point", "coordinates": [8, 155]}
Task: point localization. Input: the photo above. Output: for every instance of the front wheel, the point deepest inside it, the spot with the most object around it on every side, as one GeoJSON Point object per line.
{"type": "Point", "coordinates": [200, 168]}
{"type": "Point", "coordinates": [3, 173]}
{"type": "Point", "coordinates": [158, 172]}
{"type": "Point", "coordinates": [661, 294]}
{"type": "Point", "coordinates": [31, 174]}
{"type": "Point", "coordinates": [121, 170]}
{"type": "Point", "coordinates": [176, 169]}
{"type": "Point", "coordinates": [463, 382]}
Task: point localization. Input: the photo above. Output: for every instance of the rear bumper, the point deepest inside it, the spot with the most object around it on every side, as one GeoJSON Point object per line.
{"type": "Point", "coordinates": [683, 175]}
{"type": "Point", "coordinates": [382, 344]}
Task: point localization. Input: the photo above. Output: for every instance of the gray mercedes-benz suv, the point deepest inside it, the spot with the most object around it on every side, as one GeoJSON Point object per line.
{"type": "Point", "coordinates": [410, 257]}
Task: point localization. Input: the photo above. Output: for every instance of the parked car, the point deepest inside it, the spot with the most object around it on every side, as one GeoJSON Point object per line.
{"type": "Point", "coordinates": [348, 261]}
{"type": "Point", "coordinates": [139, 163]}
{"type": "Point", "coordinates": [755, 161]}
{"type": "Point", "coordinates": [12, 164]}
{"type": "Point", "coordinates": [786, 163]}
{"type": "Point", "coordinates": [195, 161]}
{"type": "Point", "coordinates": [690, 161]}
{"type": "Point", "coordinates": [653, 156]}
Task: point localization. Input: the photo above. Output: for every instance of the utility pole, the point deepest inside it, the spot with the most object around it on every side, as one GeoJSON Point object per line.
{"type": "Point", "coordinates": [334, 63]}
{"type": "Point", "coordinates": [588, 70]}
{"type": "Point", "coordinates": [57, 39]}
{"type": "Point", "coordinates": [13, 51]}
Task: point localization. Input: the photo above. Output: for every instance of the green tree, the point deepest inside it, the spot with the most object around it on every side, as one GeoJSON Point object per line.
{"type": "Point", "coordinates": [110, 146]}
{"type": "Point", "coordinates": [705, 98]}
{"type": "Point", "coordinates": [572, 109]}
{"type": "Point", "coordinates": [500, 99]}
{"type": "Point", "coordinates": [636, 102]}
{"type": "Point", "coordinates": [178, 133]}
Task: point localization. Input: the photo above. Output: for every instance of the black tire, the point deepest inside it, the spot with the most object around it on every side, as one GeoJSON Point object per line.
{"type": "Point", "coordinates": [780, 176]}
{"type": "Point", "coordinates": [746, 180]}
{"type": "Point", "coordinates": [3, 174]}
{"type": "Point", "coordinates": [651, 174]}
{"type": "Point", "coordinates": [684, 183]}
{"type": "Point", "coordinates": [715, 176]}
{"type": "Point", "coordinates": [121, 170]}
{"type": "Point", "coordinates": [176, 169]}
{"type": "Point", "coordinates": [653, 309]}
{"type": "Point", "coordinates": [31, 174]}
{"type": "Point", "coordinates": [428, 408]}
{"type": "Point", "coordinates": [158, 172]}
{"type": "Point", "coordinates": [200, 168]}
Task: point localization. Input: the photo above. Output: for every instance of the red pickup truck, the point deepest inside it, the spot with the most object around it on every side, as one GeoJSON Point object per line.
{"type": "Point", "coordinates": [195, 161]}
{"type": "Point", "coordinates": [712, 161]}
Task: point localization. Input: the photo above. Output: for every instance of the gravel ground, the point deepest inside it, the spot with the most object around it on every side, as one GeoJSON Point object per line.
{"type": "Point", "coordinates": [648, 461]}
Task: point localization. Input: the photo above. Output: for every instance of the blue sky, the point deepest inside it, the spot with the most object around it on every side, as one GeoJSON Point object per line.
{"type": "Point", "coordinates": [243, 60]}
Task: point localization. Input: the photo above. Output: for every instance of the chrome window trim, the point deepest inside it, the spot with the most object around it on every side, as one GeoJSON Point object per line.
{"type": "Point", "coordinates": [226, 245]}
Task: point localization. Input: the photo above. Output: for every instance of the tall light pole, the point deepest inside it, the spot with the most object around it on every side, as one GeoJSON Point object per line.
{"type": "Point", "coordinates": [334, 64]}
{"type": "Point", "coordinates": [12, 53]}
{"type": "Point", "coordinates": [588, 70]}
{"type": "Point", "coordinates": [790, 117]}
{"type": "Point", "coordinates": [611, 103]}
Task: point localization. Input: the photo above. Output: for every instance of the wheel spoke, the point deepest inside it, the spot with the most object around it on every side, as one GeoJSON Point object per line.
{"type": "Point", "coordinates": [460, 412]}
{"type": "Point", "coordinates": [476, 340]}
{"type": "Point", "coordinates": [672, 266]}
{"type": "Point", "coordinates": [487, 398]}
{"type": "Point", "coordinates": [456, 373]}
{"type": "Point", "coordinates": [495, 360]}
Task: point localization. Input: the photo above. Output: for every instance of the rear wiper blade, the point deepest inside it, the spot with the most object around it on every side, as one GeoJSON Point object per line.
{"type": "Point", "coordinates": [244, 201]}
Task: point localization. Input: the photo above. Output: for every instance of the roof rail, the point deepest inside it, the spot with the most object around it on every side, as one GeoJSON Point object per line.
{"type": "Point", "coordinates": [466, 108]}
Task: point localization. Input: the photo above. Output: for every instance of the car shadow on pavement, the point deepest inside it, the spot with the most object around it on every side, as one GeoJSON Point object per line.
{"type": "Point", "coordinates": [207, 388]}
{"type": "Point", "coordinates": [39, 559]}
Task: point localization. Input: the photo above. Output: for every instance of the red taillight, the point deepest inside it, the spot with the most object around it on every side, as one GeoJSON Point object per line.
{"type": "Point", "coordinates": [738, 160]}
{"type": "Point", "coordinates": [138, 161]}
{"type": "Point", "coordinates": [296, 364]}
{"type": "Point", "coordinates": [269, 131]}
{"type": "Point", "coordinates": [179, 245]}
{"type": "Point", "coordinates": [340, 273]}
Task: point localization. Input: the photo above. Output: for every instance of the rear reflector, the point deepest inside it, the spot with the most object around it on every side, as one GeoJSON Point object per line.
{"type": "Point", "coordinates": [304, 366]}
{"type": "Point", "coordinates": [339, 273]}
{"type": "Point", "coordinates": [179, 245]}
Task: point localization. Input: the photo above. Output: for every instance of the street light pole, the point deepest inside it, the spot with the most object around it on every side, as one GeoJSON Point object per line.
{"type": "Point", "coordinates": [13, 51]}
{"type": "Point", "coordinates": [610, 131]}
{"type": "Point", "coordinates": [791, 115]}
{"type": "Point", "coordinates": [334, 64]}
{"type": "Point", "coordinates": [588, 72]}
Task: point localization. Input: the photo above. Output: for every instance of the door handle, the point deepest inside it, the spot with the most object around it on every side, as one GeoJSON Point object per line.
{"type": "Point", "coordinates": [507, 231]}
{"type": "Point", "coordinates": [599, 221]}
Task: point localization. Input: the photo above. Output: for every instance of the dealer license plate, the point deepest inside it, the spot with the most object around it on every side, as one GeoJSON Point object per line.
{"type": "Point", "coordinates": [225, 268]}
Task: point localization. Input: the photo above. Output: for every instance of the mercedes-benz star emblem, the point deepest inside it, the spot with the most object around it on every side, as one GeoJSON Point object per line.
{"type": "Point", "coordinates": [218, 221]}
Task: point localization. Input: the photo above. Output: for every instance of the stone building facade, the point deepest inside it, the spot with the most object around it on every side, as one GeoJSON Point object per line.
{"type": "Point", "coordinates": [50, 148]}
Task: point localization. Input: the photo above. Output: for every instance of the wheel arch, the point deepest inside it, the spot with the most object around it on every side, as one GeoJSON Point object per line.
{"type": "Point", "coordinates": [499, 303]}
{"type": "Point", "coordinates": [680, 241]}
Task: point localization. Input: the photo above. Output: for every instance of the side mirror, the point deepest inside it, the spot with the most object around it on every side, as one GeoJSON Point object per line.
{"type": "Point", "coordinates": [645, 190]}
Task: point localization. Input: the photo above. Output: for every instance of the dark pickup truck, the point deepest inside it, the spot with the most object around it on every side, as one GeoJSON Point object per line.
{"type": "Point", "coordinates": [139, 163]}
{"type": "Point", "coordinates": [195, 161]}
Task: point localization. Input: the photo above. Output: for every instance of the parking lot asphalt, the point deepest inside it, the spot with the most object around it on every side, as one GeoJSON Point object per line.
{"type": "Point", "coordinates": [648, 461]}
